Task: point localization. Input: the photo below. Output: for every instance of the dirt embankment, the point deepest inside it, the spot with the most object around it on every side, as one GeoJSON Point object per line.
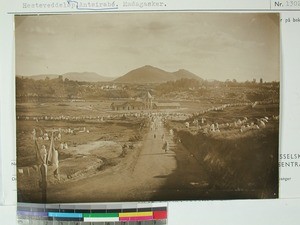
{"type": "Point", "coordinates": [245, 162]}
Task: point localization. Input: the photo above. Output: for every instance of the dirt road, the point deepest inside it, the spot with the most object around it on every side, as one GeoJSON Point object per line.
{"type": "Point", "coordinates": [139, 176]}
{"type": "Point", "coordinates": [146, 174]}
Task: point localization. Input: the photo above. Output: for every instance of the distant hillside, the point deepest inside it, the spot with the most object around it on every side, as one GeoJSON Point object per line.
{"type": "Point", "coordinates": [142, 75]}
{"type": "Point", "coordinates": [182, 74]}
{"type": "Point", "coordinates": [84, 76]}
{"type": "Point", "coordinates": [150, 74]}
{"type": "Point", "coordinates": [40, 77]}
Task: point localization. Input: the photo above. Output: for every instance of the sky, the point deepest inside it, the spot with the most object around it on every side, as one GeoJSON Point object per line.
{"type": "Point", "coordinates": [219, 46]}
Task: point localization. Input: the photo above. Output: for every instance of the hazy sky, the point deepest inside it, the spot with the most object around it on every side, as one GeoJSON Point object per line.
{"type": "Point", "coordinates": [212, 45]}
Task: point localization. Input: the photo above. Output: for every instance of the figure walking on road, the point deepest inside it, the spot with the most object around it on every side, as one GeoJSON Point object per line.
{"type": "Point", "coordinates": [166, 146]}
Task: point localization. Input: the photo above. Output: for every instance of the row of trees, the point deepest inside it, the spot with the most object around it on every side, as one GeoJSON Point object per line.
{"type": "Point", "coordinates": [59, 88]}
{"type": "Point", "coordinates": [69, 89]}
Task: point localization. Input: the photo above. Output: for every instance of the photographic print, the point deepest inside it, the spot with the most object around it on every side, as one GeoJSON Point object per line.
{"type": "Point", "coordinates": [114, 107]}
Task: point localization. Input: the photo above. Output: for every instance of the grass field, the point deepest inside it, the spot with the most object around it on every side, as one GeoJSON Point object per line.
{"type": "Point", "coordinates": [233, 160]}
{"type": "Point", "coordinates": [93, 144]}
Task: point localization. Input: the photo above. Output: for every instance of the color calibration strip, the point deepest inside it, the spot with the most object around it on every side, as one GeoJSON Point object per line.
{"type": "Point", "coordinates": [92, 214]}
{"type": "Point", "coordinates": [123, 217]}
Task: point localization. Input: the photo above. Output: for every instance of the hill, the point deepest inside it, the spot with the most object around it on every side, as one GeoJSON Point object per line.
{"type": "Point", "coordinates": [150, 74]}
{"type": "Point", "coordinates": [146, 74]}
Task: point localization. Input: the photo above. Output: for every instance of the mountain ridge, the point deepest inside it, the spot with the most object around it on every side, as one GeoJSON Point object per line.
{"type": "Point", "coordinates": [143, 75]}
{"type": "Point", "coordinates": [151, 74]}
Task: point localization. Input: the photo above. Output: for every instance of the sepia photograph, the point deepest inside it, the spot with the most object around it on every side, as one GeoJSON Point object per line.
{"type": "Point", "coordinates": [156, 106]}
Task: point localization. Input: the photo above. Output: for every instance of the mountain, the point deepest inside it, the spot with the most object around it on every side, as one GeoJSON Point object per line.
{"type": "Point", "coordinates": [84, 76]}
{"type": "Point", "coordinates": [150, 74]}
{"type": "Point", "coordinates": [146, 74]}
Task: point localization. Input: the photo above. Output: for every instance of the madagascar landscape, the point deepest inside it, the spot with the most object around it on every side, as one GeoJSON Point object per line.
{"type": "Point", "coordinates": [149, 135]}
